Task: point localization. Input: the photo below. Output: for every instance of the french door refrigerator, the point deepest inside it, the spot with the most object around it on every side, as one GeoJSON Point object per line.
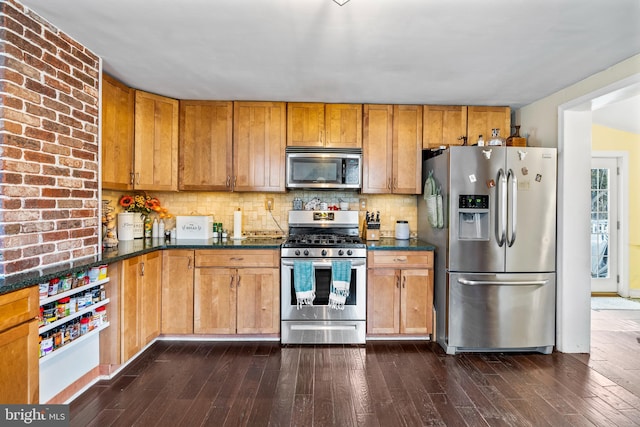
{"type": "Point", "coordinates": [491, 213]}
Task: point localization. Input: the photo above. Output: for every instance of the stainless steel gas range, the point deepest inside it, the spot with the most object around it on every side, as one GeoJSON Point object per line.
{"type": "Point", "coordinates": [317, 239]}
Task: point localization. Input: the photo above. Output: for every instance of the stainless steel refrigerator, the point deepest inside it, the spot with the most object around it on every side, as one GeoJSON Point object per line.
{"type": "Point", "coordinates": [491, 213]}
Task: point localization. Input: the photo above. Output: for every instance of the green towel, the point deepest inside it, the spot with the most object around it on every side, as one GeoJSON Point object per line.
{"type": "Point", "coordinates": [304, 282]}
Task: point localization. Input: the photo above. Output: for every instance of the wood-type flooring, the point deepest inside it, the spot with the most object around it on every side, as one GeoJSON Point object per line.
{"type": "Point", "coordinates": [190, 383]}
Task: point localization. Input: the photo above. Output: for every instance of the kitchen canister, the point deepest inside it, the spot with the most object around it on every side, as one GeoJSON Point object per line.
{"type": "Point", "coordinates": [125, 226]}
{"type": "Point", "coordinates": [402, 230]}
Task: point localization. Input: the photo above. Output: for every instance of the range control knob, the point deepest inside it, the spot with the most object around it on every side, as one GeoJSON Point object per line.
{"type": "Point", "coordinates": [297, 252]}
{"type": "Point", "coordinates": [306, 252]}
{"type": "Point", "coordinates": [349, 252]}
{"type": "Point", "coordinates": [324, 252]}
{"type": "Point", "coordinates": [340, 252]}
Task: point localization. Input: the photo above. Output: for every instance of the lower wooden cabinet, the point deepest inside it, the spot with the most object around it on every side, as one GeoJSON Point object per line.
{"type": "Point", "coordinates": [244, 299]}
{"type": "Point", "coordinates": [19, 380]}
{"type": "Point", "coordinates": [140, 302]}
{"type": "Point", "coordinates": [177, 291]}
{"type": "Point", "coordinates": [400, 292]}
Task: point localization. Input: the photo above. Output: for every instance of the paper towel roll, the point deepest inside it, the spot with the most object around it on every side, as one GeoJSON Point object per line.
{"type": "Point", "coordinates": [237, 224]}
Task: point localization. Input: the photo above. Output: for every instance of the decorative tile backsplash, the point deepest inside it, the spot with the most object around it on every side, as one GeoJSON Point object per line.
{"type": "Point", "coordinates": [257, 220]}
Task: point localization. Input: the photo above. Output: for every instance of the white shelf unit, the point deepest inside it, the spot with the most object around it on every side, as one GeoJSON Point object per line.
{"type": "Point", "coordinates": [73, 291]}
{"type": "Point", "coordinates": [73, 360]}
{"type": "Point", "coordinates": [73, 343]}
{"type": "Point", "coordinates": [75, 315]}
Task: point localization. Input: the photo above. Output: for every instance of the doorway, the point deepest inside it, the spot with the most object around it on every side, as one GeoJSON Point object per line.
{"type": "Point", "coordinates": [605, 224]}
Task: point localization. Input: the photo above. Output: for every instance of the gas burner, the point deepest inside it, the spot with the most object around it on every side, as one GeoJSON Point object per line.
{"type": "Point", "coordinates": [322, 240]}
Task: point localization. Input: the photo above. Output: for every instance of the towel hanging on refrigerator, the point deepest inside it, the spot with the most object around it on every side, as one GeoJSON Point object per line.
{"type": "Point", "coordinates": [433, 199]}
{"type": "Point", "coordinates": [304, 282]}
{"type": "Point", "coordinates": [340, 284]}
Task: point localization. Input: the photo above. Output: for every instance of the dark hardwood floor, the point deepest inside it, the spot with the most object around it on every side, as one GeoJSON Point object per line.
{"type": "Point", "coordinates": [191, 383]}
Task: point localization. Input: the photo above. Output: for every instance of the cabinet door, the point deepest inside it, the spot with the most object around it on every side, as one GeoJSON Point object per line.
{"type": "Point", "coordinates": [481, 120]}
{"type": "Point", "coordinates": [156, 142]}
{"type": "Point", "coordinates": [259, 141]}
{"type": "Point", "coordinates": [177, 292]}
{"type": "Point", "coordinates": [214, 295]}
{"type": "Point", "coordinates": [129, 297]}
{"type": "Point", "coordinates": [416, 301]}
{"type": "Point", "coordinates": [19, 369]}
{"type": "Point", "coordinates": [383, 301]}
{"type": "Point", "coordinates": [407, 149]}
{"type": "Point", "coordinates": [444, 125]}
{"type": "Point", "coordinates": [150, 297]}
{"type": "Point", "coordinates": [258, 301]}
{"type": "Point", "coordinates": [205, 145]}
{"type": "Point", "coordinates": [305, 124]}
{"type": "Point", "coordinates": [377, 149]}
{"type": "Point", "coordinates": [117, 134]}
{"type": "Point", "coordinates": [343, 125]}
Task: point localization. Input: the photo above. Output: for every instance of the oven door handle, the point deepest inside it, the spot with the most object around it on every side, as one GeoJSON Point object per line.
{"type": "Point", "coordinates": [354, 263]}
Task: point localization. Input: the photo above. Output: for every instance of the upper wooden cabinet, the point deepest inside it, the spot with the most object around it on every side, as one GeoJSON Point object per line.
{"type": "Point", "coordinates": [343, 124]}
{"type": "Point", "coordinates": [451, 124]}
{"type": "Point", "coordinates": [156, 142]}
{"type": "Point", "coordinates": [118, 102]}
{"type": "Point", "coordinates": [392, 149]}
{"type": "Point", "coordinates": [481, 120]}
{"type": "Point", "coordinates": [444, 125]}
{"type": "Point", "coordinates": [407, 149]}
{"type": "Point", "coordinates": [324, 125]}
{"type": "Point", "coordinates": [377, 149]}
{"type": "Point", "coordinates": [206, 145]}
{"type": "Point", "coordinates": [259, 141]}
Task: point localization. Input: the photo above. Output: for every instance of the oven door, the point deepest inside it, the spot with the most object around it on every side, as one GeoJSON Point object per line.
{"type": "Point", "coordinates": [317, 323]}
{"type": "Point", "coordinates": [355, 306]}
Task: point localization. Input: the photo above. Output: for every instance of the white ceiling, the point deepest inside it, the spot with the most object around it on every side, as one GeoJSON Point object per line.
{"type": "Point", "coordinates": [470, 52]}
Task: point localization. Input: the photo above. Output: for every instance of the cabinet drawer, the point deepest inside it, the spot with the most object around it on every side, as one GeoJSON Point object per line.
{"type": "Point", "coordinates": [18, 307]}
{"type": "Point", "coordinates": [237, 258]}
{"type": "Point", "coordinates": [400, 259]}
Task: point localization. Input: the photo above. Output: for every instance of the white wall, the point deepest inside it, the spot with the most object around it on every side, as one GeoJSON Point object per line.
{"type": "Point", "coordinates": [563, 120]}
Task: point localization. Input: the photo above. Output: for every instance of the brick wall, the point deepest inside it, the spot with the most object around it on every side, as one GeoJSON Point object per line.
{"type": "Point", "coordinates": [49, 86]}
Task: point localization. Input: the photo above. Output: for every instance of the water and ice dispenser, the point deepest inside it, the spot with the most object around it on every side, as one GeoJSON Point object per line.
{"type": "Point", "coordinates": [473, 217]}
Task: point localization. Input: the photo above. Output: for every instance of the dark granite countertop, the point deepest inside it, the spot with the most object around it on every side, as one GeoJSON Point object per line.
{"type": "Point", "coordinates": [391, 244]}
{"type": "Point", "coordinates": [129, 249]}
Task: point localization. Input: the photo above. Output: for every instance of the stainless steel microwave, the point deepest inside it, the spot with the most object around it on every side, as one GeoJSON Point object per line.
{"type": "Point", "coordinates": [324, 168]}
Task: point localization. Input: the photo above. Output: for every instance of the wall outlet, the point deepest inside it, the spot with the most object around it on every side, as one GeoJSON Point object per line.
{"type": "Point", "coordinates": [363, 204]}
{"type": "Point", "coordinates": [268, 203]}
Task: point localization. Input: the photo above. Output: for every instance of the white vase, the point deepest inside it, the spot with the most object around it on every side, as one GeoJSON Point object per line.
{"type": "Point", "coordinates": [125, 226]}
{"type": "Point", "coordinates": [138, 225]}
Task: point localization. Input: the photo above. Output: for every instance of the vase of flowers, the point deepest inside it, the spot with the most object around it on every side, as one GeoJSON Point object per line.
{"type": "Point", "coordinates": [142, 205]}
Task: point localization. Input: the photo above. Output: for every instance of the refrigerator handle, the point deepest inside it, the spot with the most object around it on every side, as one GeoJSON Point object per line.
{"type": "Point", "coordinates": [501, 227]}
{"type": "Point", "coordinates": [513, 202]}
{"type": "Point", "coordinates": [503, 282]}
